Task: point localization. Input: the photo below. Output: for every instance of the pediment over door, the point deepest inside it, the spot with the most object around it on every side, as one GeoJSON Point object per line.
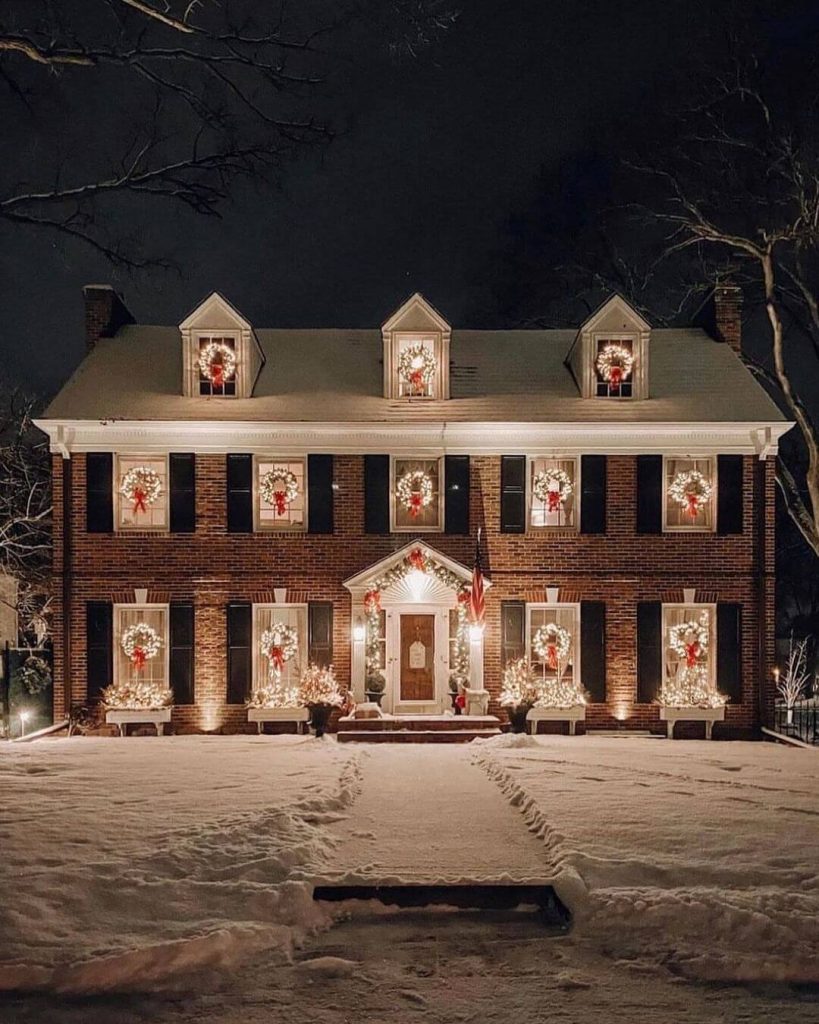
{"type": "Point", "coordinates": [415, 587]}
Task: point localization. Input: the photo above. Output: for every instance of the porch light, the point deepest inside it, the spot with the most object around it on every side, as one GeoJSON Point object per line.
{"type": "Point", "coordinates": [359, 631]}
{"type": "Point", "coordinates": [776, 672]}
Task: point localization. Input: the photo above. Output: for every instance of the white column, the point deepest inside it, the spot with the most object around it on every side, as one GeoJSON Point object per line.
{"type": "Point", "coordinates": [476, 662]}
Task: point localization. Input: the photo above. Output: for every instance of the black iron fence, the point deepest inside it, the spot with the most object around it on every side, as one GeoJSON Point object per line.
{"type": "Point", "coordinates": [800, 721]}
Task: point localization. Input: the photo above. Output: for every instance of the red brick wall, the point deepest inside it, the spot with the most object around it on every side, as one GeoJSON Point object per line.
{"type": "Point", "coordinates": [212, 567]}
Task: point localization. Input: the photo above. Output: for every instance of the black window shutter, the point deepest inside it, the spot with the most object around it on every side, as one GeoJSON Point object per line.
{"type": "Point", "coordinates": [593, 649]}
{"type": "Point", "coordinates": [729, 650]}
{"type": "Point", "coordinates": [99, 492]}
{"type": "Point", "coordinates": [649, 494]}
{"type": "Point", "coordinates": [182, 473]}
{"type": "Point", "coordinates": [513, 494]}
{"type": "Point", "coordinates": [376, 494]}
{"type": "Point", "coordinates": [319, 493]}
{"type": "Point", "coordinates": [180, 652]}
{"type": "Point", "coordinates": [99, 644]}
{"type": "Point", "coordinates": [593, 494]}
{"type": "Point", "coordinates": [240, 640]}
{"type": "Point", "coordinates": [729, 494]}
{"type": "Point", "coordinates": [649, 650]}
{"type": "Point", "coordinates": [456, 496]}
{"type": "Point", "coordinates": [320, 632]}
{"type": "Point", "coordinates": [513, 631]}
{"type": "Point", "coordinates": [240, 493]}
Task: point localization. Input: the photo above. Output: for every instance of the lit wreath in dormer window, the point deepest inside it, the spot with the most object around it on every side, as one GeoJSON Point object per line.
{"type": "Point", "coordinates": [614, 364]}
{"type": "Point", "coordinates": [279, 488]}
{"type": "Point", "coordinates": [552, 487]}
{"type": "Point", "coordinates": [217, 362]}
{"type": "Point", "coordinates": [551, 644]}
{"type": "Point", "coordinates": [142, 486]}
{"type": "Point", "coordinates": [415, 491]}
{"type": "Point", "coordinates": [691, 490]}
{"type": "Point", "coordinates": [417, 367]}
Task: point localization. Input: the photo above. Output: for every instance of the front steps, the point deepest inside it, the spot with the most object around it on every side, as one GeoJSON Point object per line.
{"type": "Point", "coordinates": [418, 729]}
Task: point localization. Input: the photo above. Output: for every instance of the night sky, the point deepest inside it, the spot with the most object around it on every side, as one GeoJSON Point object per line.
{"type": "Point", "coordinates": [436, 163]}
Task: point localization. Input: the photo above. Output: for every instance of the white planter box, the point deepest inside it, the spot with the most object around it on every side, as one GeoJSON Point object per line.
{"type": "Point", "coordinates": [570, 715]}
{"type": "Point", "coordinates": [124, 718]}
{"type": "Point", "coordinates": [262, 715]}
{"type": "Point", "coordinates": [708, 715]}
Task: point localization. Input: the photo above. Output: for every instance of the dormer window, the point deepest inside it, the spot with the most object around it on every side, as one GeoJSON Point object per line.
{"type": "Point", "coordinates": [221, 356]}
{"type": "Point", "coordinates": [609, 357]}
{"type": "Point", "coordinates": [416, 352]}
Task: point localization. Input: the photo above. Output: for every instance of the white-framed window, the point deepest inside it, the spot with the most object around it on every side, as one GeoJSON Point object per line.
{"type": "Point", "coordinates": [554, 653]}
{"type": "Point", "coordinates": [416, 495]}
{"type": "Point", "coordinates": [155, 670]}
{"type": "Point", "coordinates": [266, 616]}
{"type": "Point", "coordinates": [554, 493]}
{"type": "Point", "coordinates": [417, 365]}
{"type": "Point", "coordinates": [684, 626]}
{"type": "Point", "coordinates": [280, 493]}
{"type": "Point", "coordinates": [689, 493]}
{"type": "Point", "coordinates": [141, 492]}
{"type": "Point", "coordinates": [217, 365]}
{"type": "Point", "coordinates": [614, 365]}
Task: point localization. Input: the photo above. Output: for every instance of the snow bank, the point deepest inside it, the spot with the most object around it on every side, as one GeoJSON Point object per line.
{"type": "Point", "coordinates": [700, 856]}
{"type": "Point", "coordinates": [137, 861]}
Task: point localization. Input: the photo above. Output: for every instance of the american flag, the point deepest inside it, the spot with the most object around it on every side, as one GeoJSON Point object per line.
{"type": "Point", "coordinates": [477, 604]}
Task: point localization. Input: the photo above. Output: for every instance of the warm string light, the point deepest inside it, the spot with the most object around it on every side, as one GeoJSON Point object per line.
{"type": "Point", "coordinates": [279, 644]}
{"type": "Point", "coordinates": [417, 367]}
{"type": "Point", "coordinates": [415, 491]}
{"type": "Point", "coordinates": [552, 487]}
{"type": "Point", "coordinates": [279, 488]}
{"type": "Point", "coordinates": [142, 486]}
{"type": "Point", "coordinates": [691, 686]}
{"type": "Point", "coordinates": [691, 490]}
{"type": "Point", "coordinates": [614, 364]}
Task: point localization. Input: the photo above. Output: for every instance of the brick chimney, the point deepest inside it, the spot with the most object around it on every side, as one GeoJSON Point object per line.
{"type": "Point", "coordinates": [105, 313]}
{"type": "Point", "coordinates": [721, 314]}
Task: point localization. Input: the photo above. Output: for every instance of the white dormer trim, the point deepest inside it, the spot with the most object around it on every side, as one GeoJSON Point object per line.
{"type": "Point", "coordinates": [215, 316]}
{"type": "Point", "coordinates": [416, 318]}
{"type": "Point", "coordinates": [628, 325]}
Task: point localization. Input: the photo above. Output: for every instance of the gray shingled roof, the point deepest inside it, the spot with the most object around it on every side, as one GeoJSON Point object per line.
{"type": "Point", "coordinates": [336, 375]}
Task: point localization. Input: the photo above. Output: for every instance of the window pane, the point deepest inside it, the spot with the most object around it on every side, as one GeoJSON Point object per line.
{"type": "Point", "coordinates": [614, 367]}
{"type": "Point", "coordinates": [281, 494]}
{"type": "Point", "coordinates": [154, 670]}
{"type": "Point", "coordinates": [553, 652]}
{"type": "Point", "coordinates": [216, 365]}
{"type": "Point", "coordinates": [689, 649]}
{"type": "Point", "coordinates": [416, 494]}
{"type": "Point", "coordinates": [689, 494]}
{"type": "Point", "coordinates": [294, 616]}
{"type": "Point", "coordinates": [554, 492]}
{"type": "Point", "coordinates": [416, 366]}
{"type": "Point", "coordinates": [142, 493]}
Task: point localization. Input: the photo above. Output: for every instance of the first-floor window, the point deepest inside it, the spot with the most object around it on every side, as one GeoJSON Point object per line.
{"type": "Point", "coordinates": [141, 644]}
{"type": "Point", "coordinates": [141, 486]}
{"type": "Point", "coordinates": [281, 494]}
{"type": "Point", "coordinates": [690, 493]}
{"type": "Point", "coordinates": [553, 493]}
{"type": "Point", "coordinates": [280, 644]}
{"type": "Point", "coordinates": [689, 651]}
{"type": "Point", "coordinates": [553, 641]}
{"type": "Point", "coordinates": [417, 490]}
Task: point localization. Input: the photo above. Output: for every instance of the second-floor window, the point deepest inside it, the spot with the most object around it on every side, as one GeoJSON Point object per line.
{"type": "Point", "coordinates": [416, 497]}
{"type": "Point", "coordinates": [141, 499]}
{"type": "Point", "coordinates": [689, 493]}
{"type": "Point", "coordinates": [553, 493]}
{"type": "Point", "coordinates": [217, 364]}
{"type": "Point", "coordinates": [281, 494]}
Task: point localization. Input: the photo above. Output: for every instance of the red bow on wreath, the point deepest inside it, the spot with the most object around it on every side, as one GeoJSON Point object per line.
{"type": "Point", "coordinates": [692, 653]}
{"type": "Point", "coordinates": [551, 655]}
{"type": "Point", "coordinates": [615, 377]}
{"type": "Point", "coordinates": [217, 373]}
{"type": "Point", "coordinates": [554, 501]}
{"type": "Point", "coordinates": [416, 499]}
{"type": "Point", "coordinates": [138, 659]}
{"type": "Point", "coordinates": [693, 504]}
{"type": "Point", "coordinates": [372, 600]}
{"type": "Point", "coordinates": [417, 380]}
{"type": "Point", "coordinates": [417, 560]}
{"type": "Point", "coordinates": [139, 500]}
{"type": "Point", "coordinates": [276, 655]}
{"type": "Point", "coordinates": [280, 501]}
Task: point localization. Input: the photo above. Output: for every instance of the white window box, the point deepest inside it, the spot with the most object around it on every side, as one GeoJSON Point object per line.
{"type": "Point", "coordinates": [708, 715]}
{"type": "Point", "coordinates": [262, 715]}
{"type": "Point", "coordinates": [123, 718]}
{"type": "Point", "coordinates": [570, 715]}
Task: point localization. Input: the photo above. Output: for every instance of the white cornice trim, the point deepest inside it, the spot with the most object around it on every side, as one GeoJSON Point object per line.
{"type": "Point", "coordinates": [428, 438]}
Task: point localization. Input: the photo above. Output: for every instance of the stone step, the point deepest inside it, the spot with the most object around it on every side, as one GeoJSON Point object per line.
{"type": "Point", "coordinates": [414, 735]}
{"type": "Point", "coordinates": [422, 723]}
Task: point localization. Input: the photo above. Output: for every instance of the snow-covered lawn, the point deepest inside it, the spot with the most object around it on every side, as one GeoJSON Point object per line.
{"type": "Point", "coordinates": [140, 865]}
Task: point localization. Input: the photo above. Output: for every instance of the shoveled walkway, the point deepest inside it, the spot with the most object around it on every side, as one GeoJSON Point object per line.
{"type": "Point", "coordinates": [429, 813]}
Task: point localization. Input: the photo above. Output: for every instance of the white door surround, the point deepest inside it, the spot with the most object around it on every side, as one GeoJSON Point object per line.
{"type": "Point", "coordinates": [392, 695]}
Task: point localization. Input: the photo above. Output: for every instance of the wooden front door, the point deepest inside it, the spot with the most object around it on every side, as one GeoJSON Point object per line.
{"type": "Point", "coordinates": [417, 680]}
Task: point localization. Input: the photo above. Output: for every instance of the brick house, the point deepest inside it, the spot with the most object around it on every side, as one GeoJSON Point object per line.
{"type": "Point", "coordinates": [297, 469]}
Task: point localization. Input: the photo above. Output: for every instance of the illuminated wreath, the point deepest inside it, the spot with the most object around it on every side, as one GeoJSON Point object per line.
{"type": "Point", "coordinates": [279, 644]}
{"type": "Point", "coordinates": [417, 366]}
{"type": "Point", "coordinates": [551, 643]}
{"type": "Point", "coordinates": [140, 643]}
{"type": "Point", "coordinates": [552, 487]}
{"type": "Point", "coordinates": [217, 362]}
{"type": "Point", "coordinates": [614, 364]}
{"type": "Point", "coordinates": [690, 489]}
{"type": "Point", "coordinates": [141, 485]}
{"type": "Point", "coordinates": [278, 486]}
{"type": "Point", "coordinates": [414, 490]}
{"type": "Point", "coordinates": [689, 640]}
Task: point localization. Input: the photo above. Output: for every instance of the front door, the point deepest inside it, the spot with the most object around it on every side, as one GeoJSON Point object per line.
{"type": "Point", "coordinates": [417, 666]}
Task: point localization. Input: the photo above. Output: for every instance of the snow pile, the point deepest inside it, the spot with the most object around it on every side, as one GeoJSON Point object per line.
{"type": "Point", "coordinates": [134, 862]}
{"type": "Point", "coordinates": [699, 856]}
